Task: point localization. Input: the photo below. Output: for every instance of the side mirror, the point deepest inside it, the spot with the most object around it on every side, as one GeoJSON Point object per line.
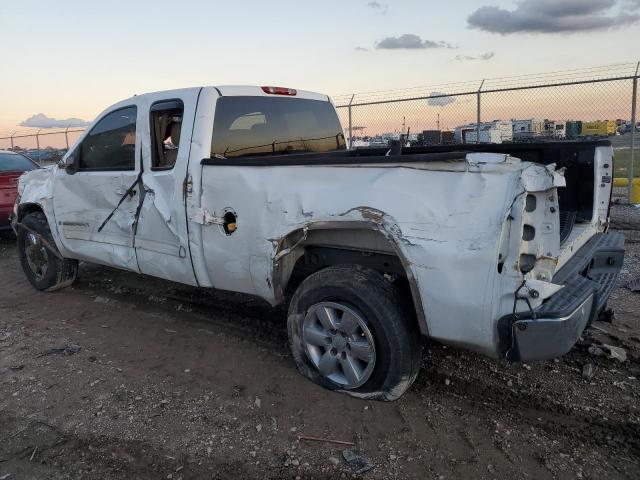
{"type": "Point", "coordinates": [70, 164]}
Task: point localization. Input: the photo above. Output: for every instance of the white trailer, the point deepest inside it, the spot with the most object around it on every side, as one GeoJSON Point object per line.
{"type": "Point", "coordinates": [555, 129]}
{"type": "Point", "coordinates": [498, 131]}
{"type": "Point", "coordinates": [526, 129]}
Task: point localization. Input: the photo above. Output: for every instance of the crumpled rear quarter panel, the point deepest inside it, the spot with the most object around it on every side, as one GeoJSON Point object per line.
{"type": "Point", "coordinates": [445, 219]}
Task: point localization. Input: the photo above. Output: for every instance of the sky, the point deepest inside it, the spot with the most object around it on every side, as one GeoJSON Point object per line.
{"type": "Point", "coordinates": [71, 59]}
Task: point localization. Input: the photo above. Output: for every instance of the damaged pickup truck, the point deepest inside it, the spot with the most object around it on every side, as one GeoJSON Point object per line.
{"type": "Point", "coordinates": [501, 249]}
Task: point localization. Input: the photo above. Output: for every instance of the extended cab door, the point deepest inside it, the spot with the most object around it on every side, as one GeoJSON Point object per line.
{"type": "Point", "coordinates": [104, 172]}
{"type": "Point", "coordinates": [161, 241]}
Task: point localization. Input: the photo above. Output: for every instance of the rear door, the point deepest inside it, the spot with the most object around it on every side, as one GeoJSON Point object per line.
{"type": "Point", "coordinates": [107, 166]}
{"type": "Point", "coordinates": [161, 240]}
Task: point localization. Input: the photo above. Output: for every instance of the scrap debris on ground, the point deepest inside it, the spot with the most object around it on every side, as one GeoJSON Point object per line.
{"type": "Point", "coordinates": [123, 376]}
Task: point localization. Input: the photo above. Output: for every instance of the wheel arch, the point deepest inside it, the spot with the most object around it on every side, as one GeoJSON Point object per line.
{"type": "Point", "coordinates": [27, 208]}
{"type": "Point", "coordinates": [361, 242]}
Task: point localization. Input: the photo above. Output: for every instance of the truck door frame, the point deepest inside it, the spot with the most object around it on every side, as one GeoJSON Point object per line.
{"type": "Point", "coordinates": [95, 208]}
{"type": "Point", "coordinates": [162, 235]}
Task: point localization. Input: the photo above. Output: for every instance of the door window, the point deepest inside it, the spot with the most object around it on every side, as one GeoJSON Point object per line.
{"type": "Point", "coordinates": [111, 143]}
{"type": "Point", "coordinates": [166, 125]}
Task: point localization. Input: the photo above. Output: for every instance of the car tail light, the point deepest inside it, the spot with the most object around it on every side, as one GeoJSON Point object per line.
{"type": "Point", "coordinates": [279, 91]}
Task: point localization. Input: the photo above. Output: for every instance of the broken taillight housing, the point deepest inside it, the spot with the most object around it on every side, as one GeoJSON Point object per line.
{"type": "Point", "coordinates": [612, 175]}
{"type": "Point", "coordinates": [280, 91]}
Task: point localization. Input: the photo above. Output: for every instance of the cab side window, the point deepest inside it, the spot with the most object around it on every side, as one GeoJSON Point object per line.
{"type": "Point", "coordinates": [111, 144]}
{"type": "Point", "coordinates": [166, 125]}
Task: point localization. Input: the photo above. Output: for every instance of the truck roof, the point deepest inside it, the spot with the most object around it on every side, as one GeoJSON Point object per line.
{"type": "Point", "coordinates": [241, 90]}
{"type": "Point", "coordinates": [253, 91]}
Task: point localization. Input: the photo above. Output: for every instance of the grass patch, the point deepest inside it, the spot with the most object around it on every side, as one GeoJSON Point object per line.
{"type": "Point", "coordinates": [621, 159]}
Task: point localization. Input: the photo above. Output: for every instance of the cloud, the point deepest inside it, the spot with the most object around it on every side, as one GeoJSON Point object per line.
{"type": "Point", "coordinates": [483, 56]}
{"type": "Point", "coordinates": [409, 41]}
{"type": "Point", "coordinates": [552, 16]}
{"type": "Point", "coordinates": [42, 121]}
{"type": "Point", "coordinates": [380, 7]}
{"type": "Point", "coordinates": [439, 99]}
{"type": "Point", "coordinates": [361, 49]}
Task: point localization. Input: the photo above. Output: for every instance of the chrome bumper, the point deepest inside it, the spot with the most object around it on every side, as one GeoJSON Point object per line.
{"type": "Point", "coordinates": [545, 338]}
{"type": "Point", "coordinates": [553, 328]}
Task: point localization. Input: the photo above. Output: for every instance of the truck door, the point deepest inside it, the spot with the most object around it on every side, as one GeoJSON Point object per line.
{"type": "Point", "coordinates": [95, 202]}
{"type": "Point", "coordinates": [161, 240]}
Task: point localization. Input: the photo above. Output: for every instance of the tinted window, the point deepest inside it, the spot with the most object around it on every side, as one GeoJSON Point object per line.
{"type": "Point", "coordinates": [274, 125]}
{"type": "Point", "coordinates": [166, 125]}
{"type": "Point", "coordinates": [111, 144]}
{"type": "Point", "coordinates": [12, 162]}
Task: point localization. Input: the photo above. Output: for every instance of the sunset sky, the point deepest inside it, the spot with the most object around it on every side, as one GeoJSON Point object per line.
{"type": "Point", "coordinates": [71, 59]}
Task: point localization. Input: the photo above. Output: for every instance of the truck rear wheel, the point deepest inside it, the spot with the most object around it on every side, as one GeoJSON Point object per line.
{"type": "Point", "coordinates": [44, 268]}
{"type": "Point", "coordinates": [349, 331]}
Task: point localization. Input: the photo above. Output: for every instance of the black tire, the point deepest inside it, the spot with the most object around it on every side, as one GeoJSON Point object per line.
{"type": "Point", "coordinates": [397, 339]}
{"type": "Point", "coordinates": [59, 272]}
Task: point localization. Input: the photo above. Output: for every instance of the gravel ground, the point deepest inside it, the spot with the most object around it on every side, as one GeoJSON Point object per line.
{"type": "Point", "coordinates": [159, 380]}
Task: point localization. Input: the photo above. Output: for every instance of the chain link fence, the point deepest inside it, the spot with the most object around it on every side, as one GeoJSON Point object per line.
{"type": "Point", "coordinates": [574, 105]}
{"type": "Point", "coordinates": [581, 104]}
{"type": "Point", "coordinates": [46, 146]}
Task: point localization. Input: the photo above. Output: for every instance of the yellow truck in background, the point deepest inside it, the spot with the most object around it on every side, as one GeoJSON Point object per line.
{"type": "Point", "coordinates": [602, 128]}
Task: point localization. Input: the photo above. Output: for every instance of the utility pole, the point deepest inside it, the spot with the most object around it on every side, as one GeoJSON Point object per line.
{"type": "Point", "coordinates": [478, 114]}
{"type": "Point", "coordinates": [634, 101]}
{"type": "Point", "coordinates": [350, 125]}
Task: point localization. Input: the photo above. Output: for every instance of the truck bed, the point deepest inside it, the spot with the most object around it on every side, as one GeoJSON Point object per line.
{"type": "Point", "coordinates": [576, 157]}
{"type": "Point", "coordinates": [561, 152]}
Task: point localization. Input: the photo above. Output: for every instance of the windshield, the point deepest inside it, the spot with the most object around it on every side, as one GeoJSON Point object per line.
{"type": "Point", "coordinates": [274, 125]}
{"type": "Point", "coordinates": [13, 162]}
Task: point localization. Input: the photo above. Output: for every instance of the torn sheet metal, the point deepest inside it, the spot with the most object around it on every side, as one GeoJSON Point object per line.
{"type": "Point", "coordinates": [544, 289]}
{"type": "Point", "coordinates": [537, 178]}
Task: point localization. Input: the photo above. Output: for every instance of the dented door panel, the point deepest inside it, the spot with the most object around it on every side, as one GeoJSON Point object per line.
{"type": "Point", "coordinates": [161, 240]}
{"type": "Point", "coordinates": [82, 202]}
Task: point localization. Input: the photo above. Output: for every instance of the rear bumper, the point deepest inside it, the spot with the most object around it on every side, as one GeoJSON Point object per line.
{"type": "Point", "coordinates": [553, 328]}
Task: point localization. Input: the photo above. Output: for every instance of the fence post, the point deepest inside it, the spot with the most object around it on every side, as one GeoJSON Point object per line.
{"type": "Point", "coordinates": [634, 101]}
{"type": "Point", "coordinates": [478, 113]}
{"type": "Point", "coordinates": [12, 146]}
{"type": "Point", "coordinates": [66, 137]}
{"type": "Point", "coordinates": [350, 124]}
{"type": "Point", "coordinates": [38, 142]}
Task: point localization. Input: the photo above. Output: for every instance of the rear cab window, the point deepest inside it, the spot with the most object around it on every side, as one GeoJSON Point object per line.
{"type": "Point", "coordinates": [252, 125]}
{"type": "Point", "coordinates": [14, 162]}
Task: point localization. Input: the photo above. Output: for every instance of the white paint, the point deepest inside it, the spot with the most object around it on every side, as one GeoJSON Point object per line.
{"type": "Point", "coordinates": [449, 221]}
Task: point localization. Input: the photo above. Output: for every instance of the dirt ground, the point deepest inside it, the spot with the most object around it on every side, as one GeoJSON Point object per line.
{"type": "Point", "coordinates": [172, 382]}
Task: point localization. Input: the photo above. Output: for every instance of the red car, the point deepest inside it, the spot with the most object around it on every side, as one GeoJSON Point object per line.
{"type": "Point", "coordinates": [12, 165]}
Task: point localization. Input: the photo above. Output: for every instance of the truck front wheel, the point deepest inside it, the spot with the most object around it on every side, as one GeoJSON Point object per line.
{"type": "Point", "coordinates": [349, 331]}
{"type": "Point", "coordinates": [43, 265]}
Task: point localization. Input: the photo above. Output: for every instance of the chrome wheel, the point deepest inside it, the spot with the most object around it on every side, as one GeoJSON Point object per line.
{"type": "Point", "coordinates": [36, 255]}
{"type": "Point", "coordinates": [339, 343]}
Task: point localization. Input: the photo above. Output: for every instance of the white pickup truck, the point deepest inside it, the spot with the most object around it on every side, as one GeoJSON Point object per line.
{"type": "Point", "coordinates": [502, 249]}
